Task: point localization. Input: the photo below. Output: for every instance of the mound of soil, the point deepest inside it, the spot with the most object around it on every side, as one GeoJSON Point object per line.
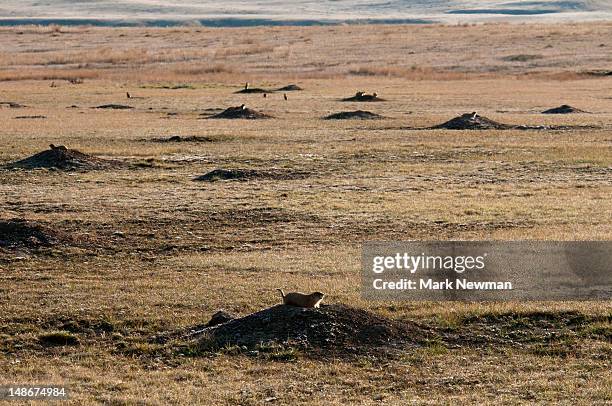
{"type": "Point", "coordinates": [178, 138]}
{"type": "Point", "coordinates": [363, 97]}
{"type": "Point", "coordinates": [114, 107]}
{"type": "Point", "coordinates": [28, 117]}
{"type": "Point", "coordinates": [62, 158]}
{"type": "Point", "coordinates": [251, 174]}
{"type": "Point", "coordinates": [335, 329]}
{"type": "Point", "coordinates": [241, 112]}
{"type": "Point", "coordinates": [472, 121]}
{"type": "Point", "coordinates": [354, 115]}
{"type": "Point", "coordinates": [12, 105]}
{"type": "Point", "coordinates": [563, 109]}
{"type": "Point", "coordinates": [289, 88]}
{"type": "Point", "coordinates": [253, 90]}
{"type": "Point", "coordinates": [22, 233]}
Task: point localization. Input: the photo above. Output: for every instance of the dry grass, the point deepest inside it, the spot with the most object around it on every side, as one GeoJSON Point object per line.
{"type": "Point", "coordinates": [152, 251]}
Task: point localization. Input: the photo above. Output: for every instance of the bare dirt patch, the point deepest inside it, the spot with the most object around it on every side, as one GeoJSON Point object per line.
{"type": "Point", "coordinates": [363, 97]}
{"type": "Point", "coordinates": [113, 107]}
{"type": "Point", "coordinates": [59, 157]}
{"type": "Point", "coordinates": [354, 115]}
{"type": "Point", "coordinates": [30, 234]}
{"type": "Point", "coordinates": [472, 121]}
{"type": "Point", "coordinates": [189, 138]}
{"type": "Point", "coordinates": [563, 109]}
{"type": "Point", "coordinates": [241, 112]}
{"type": "Point", "coordinates": [337, 330]}
{"type": "Point", "coordinates": [252, 174]}
{"type": "Point", "coordinates": [289, 88]}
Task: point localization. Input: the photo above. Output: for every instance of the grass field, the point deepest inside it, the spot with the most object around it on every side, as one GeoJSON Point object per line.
{"type": "Point", "coordinates": [141, 250]}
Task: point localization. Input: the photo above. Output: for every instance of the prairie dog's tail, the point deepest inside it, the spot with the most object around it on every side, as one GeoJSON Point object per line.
{"type": "Point", "coordinates": [282, 293]}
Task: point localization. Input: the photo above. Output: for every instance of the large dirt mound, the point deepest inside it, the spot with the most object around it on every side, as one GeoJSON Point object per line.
{"type": "Point", "coordinates": [354, 115]}
{"type": "Point", "coordinates": [241, 112]}
{"type": "Point", "coordinates": [363, 97]}
{"type": "Point", "coordinates": [62, 158]}
{"type": "Point", "coordinates": [563, 109]}
{"type": "Point", "coordinates": [472, 121]}
{"type": "Point", "coordinates": [22, 233]}
{"type": "Point", "coordinates": [289, 88]}
{"type": "Point", "coordinates": [335, 329]}
{"type": "Point", "coordinates": [253, 90]}
{"type": "Point", "coordinates": [251, 174]}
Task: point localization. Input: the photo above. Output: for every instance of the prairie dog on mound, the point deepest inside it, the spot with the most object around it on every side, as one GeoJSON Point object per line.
{"type": "Point", "coordinates": [302, 300]}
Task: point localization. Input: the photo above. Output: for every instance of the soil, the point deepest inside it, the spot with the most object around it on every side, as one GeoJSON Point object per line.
{"type": "Point", "coordinates": [22, 233]}
{"type": "Point", "coordinates": [472, 121]}
{"type": "Point", "coordinates": [251, 174]}
{"type": "Point", "coordinates": [354, 115]}
{"type": "Point", "coordinates": [62, 158]}
{"type": "Point", "coordinates": [190, 138]}
{"type": "Point", "coordinates": [363, 97]}
{"type": "Point", "coordinates": [289, 88]}
{"type": "Point", "coordinates": [563, 109]}
{"type": "Point", "coordinates": [29, 117]}
{"type": "Point", "coordinates": [254, 90]}
{"type": "Point", "coordinates": [239, 112]}
{"type": "Point", "coordinates": [114, 107]}
{"type": "Point", "coordinates": [329, 330]}
{"type": "Point", "coordinates": [12, 105]}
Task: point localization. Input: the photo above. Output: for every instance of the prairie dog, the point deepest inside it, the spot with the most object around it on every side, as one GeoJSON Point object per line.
{"type": "Point", "coordinates": [302, 300]}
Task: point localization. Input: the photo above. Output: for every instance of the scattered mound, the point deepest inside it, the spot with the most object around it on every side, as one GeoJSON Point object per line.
{"type": "Point", "coordinates": [62, 158]}
{"type": "Point", "coordinates": [191, 138]}
{"type": "Point", "coordinates": [241, 112]}
{"type": "Point", "coordinates": [253, 90]}
{"type": "Point", "coordinates": [363, 97]}
{"type": "Point", "coordinates": [472, 121]}
{"type": "Point", "coordinates": [114, 107]}
{"type": "Point", "coordinates": [354, 115]}
{"type": "Point", "coordinates": [12, 105]}
{"type": "Point", "coordinates": [251, 174]}
{"type": "Point", "coordinates": [29, 117]}
{"type": "Point", "coordinates": [289, 88]}
{"type": "Point", "coordinates": [331, 329]}
{"type": "Point", "coordinates": [563, 109]}
{"type": "Point", "coordinates": [22, 233]}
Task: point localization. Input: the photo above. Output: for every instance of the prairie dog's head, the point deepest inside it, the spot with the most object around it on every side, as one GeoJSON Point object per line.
{"type": "Point", "coordinates": [318, 295]}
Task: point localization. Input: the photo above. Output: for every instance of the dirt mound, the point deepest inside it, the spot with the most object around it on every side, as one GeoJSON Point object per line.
{"type": "Point", "coordinates": [12, 105]}
{"type": "Point", "coordinates": [289, 88]}
{"type": "Point", "coordinates": [29, 117]}
{"type": "Point", "coordinates": [472, 121]}
{"type": "Point", "coordinates": [354, 115]}
{"type": "Point", "coordinates": [22, 233]}
{"type": "Point", "coordinates": [253, 90]}
{"type": "Point", "coordinates": [363, 97]}
{"type": "Point", "coordinates": [251, 174]}
{"type": "Point", "coordinates": [190, 138]}
{"type": "Point", "coordinates": [563, 109]}
{"type": "Point", "coordinates": [331, 329]}
{"type": "Point", "coordinates": [114, 107]}
{"type": "Point", "coordinates": [241, 112]}
{"type": "Point", "coordinates": [62, 158]}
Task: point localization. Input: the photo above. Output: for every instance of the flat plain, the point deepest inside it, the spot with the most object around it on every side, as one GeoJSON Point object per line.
{"type": "Point", "coordinates": [97, 264]}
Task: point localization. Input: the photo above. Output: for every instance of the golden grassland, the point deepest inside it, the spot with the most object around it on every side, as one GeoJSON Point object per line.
{"type": "Point", "coordinates": [152, 251]}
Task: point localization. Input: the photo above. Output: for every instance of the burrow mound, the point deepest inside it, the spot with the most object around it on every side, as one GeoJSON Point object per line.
{"type": "Point", "coordinates": [251, 174]}
{"type": "Point", "coordinates": [12, 105]}
{"type": "Point", "coordinates": [189, 138]}
{"type": "Point", "coordinates": [241, 112]}
{"type": "Point", "coordinates": [363, 97]}
{"type": "Point", "coordinates": [59, 157]}
{"type": "Point", "coordinates": [113, 107]}
{"type": "Point", "coordinates": [23, 233]}
{"type": "Point", "coordinates": [289, 88]}
{"type": "Point", "coordinates": [253, 90]}
{"type": "Point", "coordinates": [563, 109]}
{"type": "Point", "coordinates": [354, 115]}
{"type": "Point", "coordinates": [472, 121]}
{"type": "Point", "coordinates": [331, 329]}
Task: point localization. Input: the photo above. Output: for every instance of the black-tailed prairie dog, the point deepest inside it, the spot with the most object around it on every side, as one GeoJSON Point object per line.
{"type": "Point", "coordinates": [301, 299]}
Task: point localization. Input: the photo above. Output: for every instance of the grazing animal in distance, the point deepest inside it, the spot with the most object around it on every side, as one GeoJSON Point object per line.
{"type": "Point", "coordinates": [474, 115]}
{"type": "Point", "coordinates": [242, 107]}
{"type": "Point", "coordinates": [128, 95]}
{"type": "Point", "coordinates": [60, 147]}
{"type": "Point", "coordinates": [246, 86]}
{"type": "Point", "coordinates": [359, 94]}
{"type": "Point", "coordinates": [285, 96]}
{"type": "Point", "coordinates": [298, 299]}
{"type": "Point", "coordinates": [52, 84]}
{"type": "Point", "coordinates": [374, 94]}
{"type": "Point", "coordinates": [265, 95]}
